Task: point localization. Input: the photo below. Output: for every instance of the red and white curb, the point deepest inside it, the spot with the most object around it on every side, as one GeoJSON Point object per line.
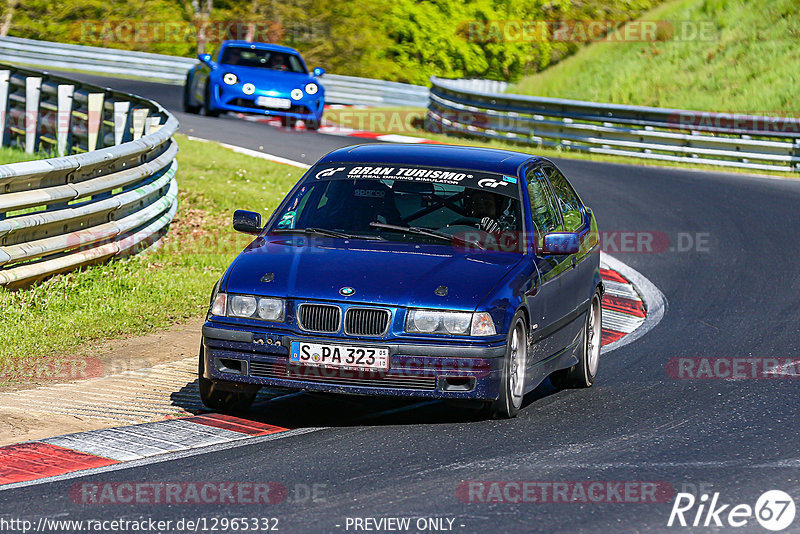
{"type": "Point", "coordinates": [72, 453]}
{"type": "Point", "coordinates": [623, 309]}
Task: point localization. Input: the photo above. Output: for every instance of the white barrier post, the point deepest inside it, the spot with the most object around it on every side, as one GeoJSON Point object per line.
{"type": "Point", "coordinates": [63, 131]}
{"type": "Point", "coordinates": [4, 77]}
{"type": "Point", "coordinates": [139, 119]}
{"type": "Point", "coordinates": [94, 119]}
{"type": "Point", "coordinates": [152, 124]}
{"type": "Point", "coordinates": [121, 129]}
{"type": "Point", "coordinates": [33, 91]}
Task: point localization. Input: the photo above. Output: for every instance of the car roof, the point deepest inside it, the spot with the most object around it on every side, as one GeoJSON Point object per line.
{"type": "Point", "coordinates": [455, 156]}
{"type": "Point", "coordinates": [262, 46]}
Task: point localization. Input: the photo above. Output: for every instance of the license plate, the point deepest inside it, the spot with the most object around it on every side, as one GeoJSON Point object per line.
{"type": "Point", "coordinates": [340, 356]}
{"type": "Point", "coordinates": [272, 102]}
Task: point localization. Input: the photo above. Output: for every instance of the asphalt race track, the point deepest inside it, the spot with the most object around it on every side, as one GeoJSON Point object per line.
{"type": "Point", "coordinates": [734, 296]}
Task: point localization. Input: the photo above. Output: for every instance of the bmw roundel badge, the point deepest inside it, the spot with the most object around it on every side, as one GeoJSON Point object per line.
{"type": "Point", "coordinates": [347, 291]}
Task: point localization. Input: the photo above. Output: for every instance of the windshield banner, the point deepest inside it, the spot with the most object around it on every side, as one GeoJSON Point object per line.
{"type": "Point", "coordinates": [496, 183]}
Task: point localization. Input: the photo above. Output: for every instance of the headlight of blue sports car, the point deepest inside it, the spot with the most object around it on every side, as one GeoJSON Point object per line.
{"type": "Point", "coordinates": [230, 78]}
{"type": "Point", "coordinates": [311, 88]}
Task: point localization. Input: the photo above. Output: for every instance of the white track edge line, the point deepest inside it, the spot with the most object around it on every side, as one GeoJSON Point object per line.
{"type": "Point", "coordinates": [254, 153]}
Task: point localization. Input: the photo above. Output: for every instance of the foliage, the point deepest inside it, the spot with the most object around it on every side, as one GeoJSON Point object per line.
{"type": "Point", "coordinates": [403, 40]}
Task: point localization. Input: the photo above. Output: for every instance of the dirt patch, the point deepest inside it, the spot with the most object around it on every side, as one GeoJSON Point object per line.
{"type": "Point", "coordinates": [127, 380]}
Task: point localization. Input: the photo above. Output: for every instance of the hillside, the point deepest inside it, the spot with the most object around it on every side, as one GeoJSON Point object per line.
{"type": "Point", "coordinates": [745, 58]}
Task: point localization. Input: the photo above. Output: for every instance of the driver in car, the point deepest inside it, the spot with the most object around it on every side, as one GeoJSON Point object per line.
{"type": "Point", "coordinates": [483, 206]}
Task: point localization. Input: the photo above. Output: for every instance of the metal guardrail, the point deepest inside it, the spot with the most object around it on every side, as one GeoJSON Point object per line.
{"type": "Point", "coordinates": [109, 192]}
{"type": "Point", "coordinates": [338, 89]}
{"type": "Point", "coordinates": [723, 139]}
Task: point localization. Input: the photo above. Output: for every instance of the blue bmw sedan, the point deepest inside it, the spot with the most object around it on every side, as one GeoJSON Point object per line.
{"type": "Point", "coordinates": [259, 78]}
{"type": "Point", "coordinates": [411, 270]}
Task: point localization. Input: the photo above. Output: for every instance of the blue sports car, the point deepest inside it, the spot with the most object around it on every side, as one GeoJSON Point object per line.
{"type": "Point", "coordinates": [256, 78]}
{"type": "Point", "coordinates": [411, 270]}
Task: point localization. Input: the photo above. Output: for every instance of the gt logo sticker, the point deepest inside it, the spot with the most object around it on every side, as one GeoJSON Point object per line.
{"type": "Point", "coordinates": [490, 182]}
{"type": "Point", "coordinates": [328, 172]}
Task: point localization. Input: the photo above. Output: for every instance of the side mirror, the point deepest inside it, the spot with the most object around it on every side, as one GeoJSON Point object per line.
{"type": "Point", "coordinates": [561, 243]}
{"type": "Point", "coordinates": [248, 222]}
{"type": "Point", "coordinates": [319, 71]}
{"type": "Point", "coordinates": [205, 58]}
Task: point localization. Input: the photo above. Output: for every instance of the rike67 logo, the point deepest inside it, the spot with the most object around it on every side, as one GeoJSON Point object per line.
{"type": "Point", "coordinates": [774, 510]}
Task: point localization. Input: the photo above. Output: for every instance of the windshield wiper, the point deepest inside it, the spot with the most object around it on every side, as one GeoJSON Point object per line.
{"type": "Point", "coordinates": [426, 232]}
{"type": "Point", "coordinates": [326, 232]}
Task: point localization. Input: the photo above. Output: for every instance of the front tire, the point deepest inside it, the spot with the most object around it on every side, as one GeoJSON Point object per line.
{"type": "Point", "coordinates": [225, 397]}
{"type": "Point", "coordinates": [188, 107]}
{"type": "Point", "coordinates": [512, 382]}
{"type": "Point", "coordinates": [583, 373]}
{"type": "Point", "coordinates": [209, 111]}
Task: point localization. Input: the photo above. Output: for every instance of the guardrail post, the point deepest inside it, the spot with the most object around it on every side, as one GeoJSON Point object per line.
{"type": "Point", "coordinates": [63, 125]}
{"type": "Point", "coordinates": [33, 91]}
{"type": "Point", "coordinates": [4, 77]}
{"type": "Point", "coordinates": [138, 122]}
{"type": "Point", "coordinates": [94, 119]}
{"type": "Point", "coordinates": [121, 116]}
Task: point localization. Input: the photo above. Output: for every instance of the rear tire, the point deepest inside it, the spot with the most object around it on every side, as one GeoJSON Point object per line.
{"type": "Point", "coordinates": [226, 397]}
{"type": "Point", "coordinates": [583, 373]}
{"type": "Point", "coordinates": [208, 111]}
{"type": "Point", "coordinates": [188, 107]}
{"type": "Point", "coordinates": [512, 382]}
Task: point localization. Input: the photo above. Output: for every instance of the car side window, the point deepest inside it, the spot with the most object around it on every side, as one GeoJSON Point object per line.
{"type": "Point", "coordinates": [570, 204]}
{"type": "Point", "coordinates": [543, 206]}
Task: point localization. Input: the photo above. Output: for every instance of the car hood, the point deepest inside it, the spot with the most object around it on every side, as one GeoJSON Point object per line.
{"type": "Point", "coordinates": [277, 80]}
{"type": "Point", "coordinates": [385, 272]}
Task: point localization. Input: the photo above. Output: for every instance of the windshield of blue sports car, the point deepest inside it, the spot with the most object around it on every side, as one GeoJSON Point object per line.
{"type": "Point", "coordinates": [434, 205]}
{"type": "Point", "coordinates": [260, 58]}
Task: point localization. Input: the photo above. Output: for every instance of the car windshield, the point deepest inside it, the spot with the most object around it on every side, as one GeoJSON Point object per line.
{"type": "Point", "coordinates": [410, 203]}
{"type": "Point", "coordinates": [266, 59]}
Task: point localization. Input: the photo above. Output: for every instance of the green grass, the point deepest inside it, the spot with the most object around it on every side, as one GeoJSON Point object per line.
{"type": "Point", "coordinates": [749, 64]}
{"type": "Point", "coordinates": [155, 289]}
{"type": "Point", "coordinates": [13, 155]}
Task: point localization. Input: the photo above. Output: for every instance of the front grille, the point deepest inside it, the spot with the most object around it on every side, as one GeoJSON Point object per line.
{"type": "Point", "coordinates": [251, 103]}
{"type": "Point", "coordinates": [366, 321]}
{"type": "Point", "coordinates": [343, 377]}
{"type": "Point", "coordinates": [324, 318]}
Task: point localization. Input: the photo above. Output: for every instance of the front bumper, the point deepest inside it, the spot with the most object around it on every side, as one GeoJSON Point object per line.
{"type": "Point", "coordinates": [232, 98]}
{"type": "Point", "coordinates": [444, 370]}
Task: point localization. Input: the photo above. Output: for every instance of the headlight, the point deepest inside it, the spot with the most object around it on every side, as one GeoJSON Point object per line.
{"type": "Point", "coordinates": [248, 88]}
{"type": "Point", "coordinates": [297, 94]}
{"type": "Point", "coordinates": [446, 322]}
{"type": "Point", "coordinates": [311, 88]}
{"type": "Point", "coordinates": [263, 308]}
{"type": "Point", "coordinates": [230, 78]}
{"type": "Point", "coordinates": [242, 306]}
{"type": "Point", "coordinates": [270, 309]}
